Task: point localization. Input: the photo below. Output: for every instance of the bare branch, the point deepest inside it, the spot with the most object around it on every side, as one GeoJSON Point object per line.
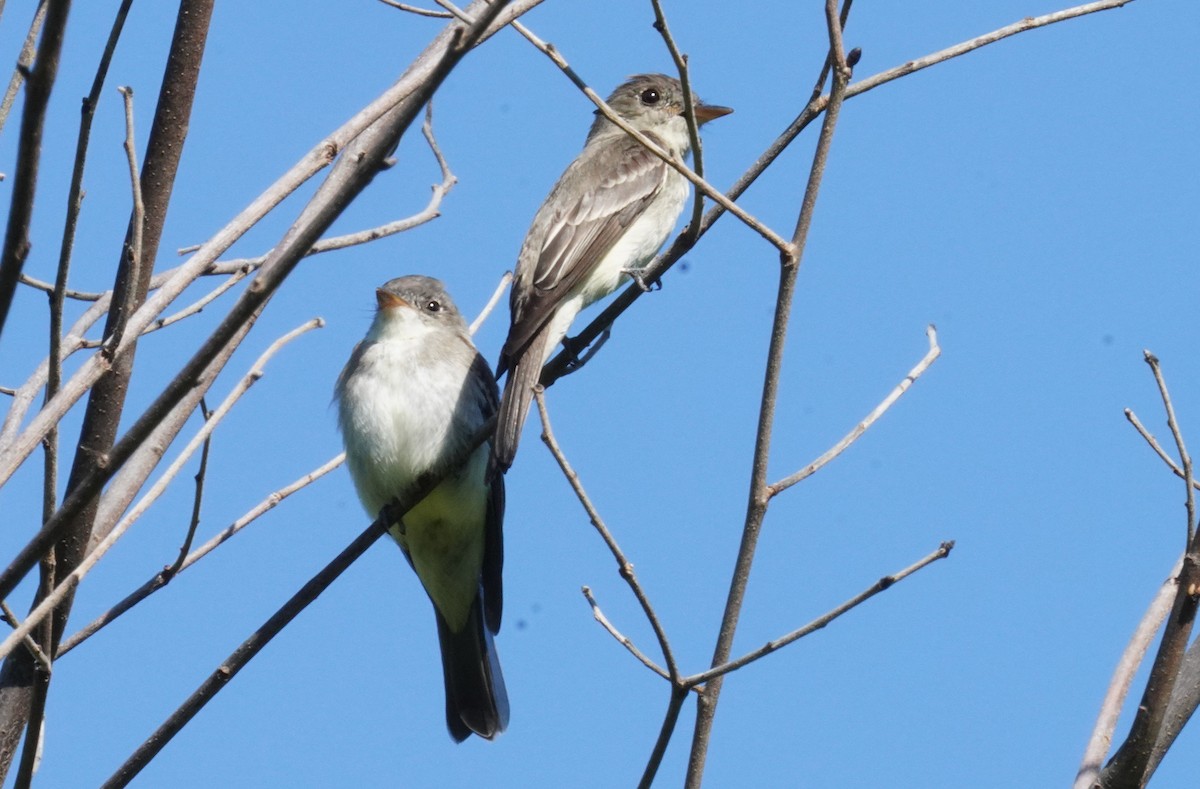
{"type": "Point", "coordinates": [689, 114]}
{"type": "Point", "coordinates": [46, 287]}
{"type": "Point", "coordinates": [40, 656]}
{"type": "Point", "coordinates": [505, 281]}
{"type": "Point", "coordinates": [883, 583]}
{"type": "Point", "coordinates": [865, 424]}
{"type": "Point", "coordinates": [201, 474]}
{"type": "Point", "coordinates": [1131, 766]}
{"type": "Point", "coordinates": [68, 584]}
{"type": "Point", "coordinates": [759, 499]}
{"type": "Point", "coordinates": [412, 9]}
{"type": "Point", "coordinates": [37, 97]}
{"type": "Point", "coordinates": [366, 153]}
{"type": "Point", "coordinates": [1185, 459]}
{"type": "Point", "coordinates": [24, 61]}
{"type": "Point", "coordinates": [1118, 687]}
{"type": "Point", "coordinates": [390, 514]}
{"type": "Point", "coordinates": [160, 579]}
{"type": "Point", "coordinates": [678, 696]}
{"type": "Point", "coordinates": [621, 638]}
{"type": "Point", "coordinates": [624, 566]}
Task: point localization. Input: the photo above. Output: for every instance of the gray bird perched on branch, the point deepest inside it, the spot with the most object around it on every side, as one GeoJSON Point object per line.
{"type": "Point", "coordinates": [413, 395]}
{"type": "Point", "coordinates": [607, 216]}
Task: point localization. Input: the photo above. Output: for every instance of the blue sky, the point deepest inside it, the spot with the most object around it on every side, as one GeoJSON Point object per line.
{"type": "Point", "coordinates": [1035, 200]}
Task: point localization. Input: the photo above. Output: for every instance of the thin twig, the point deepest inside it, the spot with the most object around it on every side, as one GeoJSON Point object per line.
{"type": "Point", "coordinates": [160, 579]}
{"type": "Point", "coordinates": [48, 287]}
{"type": "Point", "coordinates": [201, 475]}
{"type": "Point", "coordinates": [192, 309]}
{"type": "Point", "coordinates": [41, 657]}
{"type": "Point", "coordinates": [678, 696]}
{"type": "Point", "coordinates": [24, 61]}
{"type": "Point", "coordinates": [137, 222]}
{"type": "Point", "coordinates": [1185, 459]}
{"type": "Point", "coordinates": [882, 584]}
{"type": "Point", "coordinates": [689, 114]}
{"type": "Point", "coordinates": [674, 162]}
{"type": "Point", "coordinates": [862, 427]}
{"type": "Point", "coordinates": [72, 580]}
{"type": "Point", "coordinates": [505, 281]}
{"type": "Point", "coordinates": [412, 9]}
{"type": "Point", "coordinates": [624, 566]}
{"type": "Point", "coordinates": [620, 637]}
{"type": "Point", "coordinates": [1153, 442]}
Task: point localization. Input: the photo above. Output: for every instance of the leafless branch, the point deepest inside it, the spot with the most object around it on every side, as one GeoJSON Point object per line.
{"type": "Point", "coordinates": [1118, 688]}
{"type": "Point", "coordinates": [624, 566]}
{"type": "Point", "coordinates": [41, 657]}
{"type": "Point", "coordinates": [68, 584]}
{"type": "Point", "coordinates": [865, 424]}
{"type": "Point", "coordinates": [1131, 765]}
{"type": "Point", "coordinates": [759, 499]}
{"type": "Point", "coordinates": [1185, 459]}
{"type": "Point", "coordinates": [37, 97]}
{"type": "Point", "coordinates": [47, 287]}
{"type": "Point", "coordinates": [291, 609]}
{"type": "Point", "coordinates": [24, 61]}
{"type": "Point", "coordinates": [620, 637]}
{"type": "Point", "coordinates": [689, 113]}
{"type": "Point", "coordinates": [160, 579]}
{"type": "Point", "coordinates": [505, 281]}
{"type": "Point", "coordinates": [412, 9]}
{"type": "Point", "coordinates": [883, 583]}
{"type": "Point", "coordinates": [201, 474]}
{"type": "Point", "coordinates": [367, 151]}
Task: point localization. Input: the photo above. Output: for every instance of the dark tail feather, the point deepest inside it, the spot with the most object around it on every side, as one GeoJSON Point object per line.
{"type": "Point", "coordinates": [476, 701]}
{"type": "Point", "coordinates": [523, 375]}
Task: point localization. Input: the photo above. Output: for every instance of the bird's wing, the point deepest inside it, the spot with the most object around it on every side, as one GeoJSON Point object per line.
{"type": "Point", "coordinates": [576, 227]}
{"type": "Point", "coordinates": [491, 574]}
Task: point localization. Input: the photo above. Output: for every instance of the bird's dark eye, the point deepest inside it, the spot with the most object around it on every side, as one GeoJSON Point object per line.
{"type": "Point", "coordinates": [650, 96]}
{"type": "Point", "coordinates": [433, 305]}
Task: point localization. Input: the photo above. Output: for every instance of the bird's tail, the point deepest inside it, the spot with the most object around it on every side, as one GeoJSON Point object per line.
{"type": "Point", "coordinates": [523, 374]}
{"type": "Point", "coordinates": [476, 701]}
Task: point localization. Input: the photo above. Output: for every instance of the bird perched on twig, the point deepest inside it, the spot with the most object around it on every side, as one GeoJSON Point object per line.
{"type": "Point", "coordinates": [410, 400]}
{"type": "Point", "coordinates": [606, 217]}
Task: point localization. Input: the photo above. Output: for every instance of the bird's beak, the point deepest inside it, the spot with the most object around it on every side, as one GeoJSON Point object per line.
{"type": "Point", "coordinates": [387, 300]}
{"type": "Point", "coordinates": [708, 112]}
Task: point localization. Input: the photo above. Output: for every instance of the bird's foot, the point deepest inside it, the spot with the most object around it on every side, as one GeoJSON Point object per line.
{"type": "Point", "coordinates": [636, 275]}
{"type": "Point", "coordinates": [581, 352]}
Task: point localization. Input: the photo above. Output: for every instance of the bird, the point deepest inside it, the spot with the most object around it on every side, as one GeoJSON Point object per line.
{"type": "Point", "coordinates": [411, 398]}
{"type": "Point", "coordinates": [607, 216]}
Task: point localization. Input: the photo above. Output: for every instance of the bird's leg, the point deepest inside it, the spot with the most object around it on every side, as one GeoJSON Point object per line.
{"type": "Point", "coordinates": [581, 352]}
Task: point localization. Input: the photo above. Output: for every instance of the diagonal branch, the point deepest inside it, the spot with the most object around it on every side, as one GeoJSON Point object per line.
{"type": "Point", "coordinates": [884, 583]}
{"type": "Point", "coordinates": [161, 578]}
{"type": "Point", "coordinates": [71, 580]}
{"type": "Point", "coordinates": [862, 427]}
{"type": "Point", "coordinates": [624, 566]}
{"type": "Point", "coordinates": [211, 686]}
